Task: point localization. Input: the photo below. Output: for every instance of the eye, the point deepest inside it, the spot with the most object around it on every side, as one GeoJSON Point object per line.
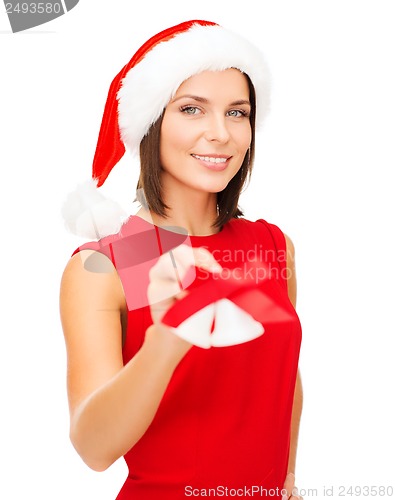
{"type": "Point", "coordinates": [190, 110]}
{"type": "Point", "coordinates": [237, 113]}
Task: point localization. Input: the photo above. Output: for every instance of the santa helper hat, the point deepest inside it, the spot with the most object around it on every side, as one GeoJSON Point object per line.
{"type": "Point", "coordinates": [139, 94]}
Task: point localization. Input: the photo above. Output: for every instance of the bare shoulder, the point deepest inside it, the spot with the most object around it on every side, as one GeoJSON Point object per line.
{"type": "Point", "coordinates": [90, 269]}
{"type": "Point", "coordinates": [90, 280]}
{"type": "Point", "coordinates": [290, 246]}
{"type": "Point", "coordinates": [91, 309]}
{"type": "Point", "coordinates": [88, 261]}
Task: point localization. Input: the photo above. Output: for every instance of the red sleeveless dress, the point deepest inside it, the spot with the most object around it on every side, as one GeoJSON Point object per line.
{"type": "Point", "coordinates": [223, 425]}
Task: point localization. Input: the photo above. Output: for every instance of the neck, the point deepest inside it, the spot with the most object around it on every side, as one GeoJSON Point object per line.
{"type": "Point", "coordinates": [193, 210]}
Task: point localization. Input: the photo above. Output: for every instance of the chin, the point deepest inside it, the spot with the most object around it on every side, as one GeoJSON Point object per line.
{"type": "Point", "coordinates": [216, 187]}
{"type": "Point", "coordinates": [218, 182]}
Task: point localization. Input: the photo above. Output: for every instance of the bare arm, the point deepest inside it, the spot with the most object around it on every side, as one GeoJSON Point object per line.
{"type": "Point", "coordinates": [298, 396]}
{"type": "Point", "coordinates": [111, 405]}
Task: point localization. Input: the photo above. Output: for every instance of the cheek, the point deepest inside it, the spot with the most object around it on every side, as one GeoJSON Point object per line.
{"type": "Point", "coordinates": [244, 138]}
{"type": "Point", "coordinates": [175, 138]}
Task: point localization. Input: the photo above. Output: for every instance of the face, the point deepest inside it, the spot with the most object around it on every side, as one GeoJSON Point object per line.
{"type": "Point", "coordinates": [206, 131]}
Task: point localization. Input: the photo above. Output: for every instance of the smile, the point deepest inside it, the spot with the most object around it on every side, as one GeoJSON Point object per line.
{"type": "Point", "coordinates": [212, 159]}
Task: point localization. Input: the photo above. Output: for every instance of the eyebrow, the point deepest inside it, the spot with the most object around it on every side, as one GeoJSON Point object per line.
{"type": "Point", "coordinates": [197, 98]}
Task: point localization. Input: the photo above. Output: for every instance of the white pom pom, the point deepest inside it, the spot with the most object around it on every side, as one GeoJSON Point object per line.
{"type": "Point", "coordinates": [89, 214]}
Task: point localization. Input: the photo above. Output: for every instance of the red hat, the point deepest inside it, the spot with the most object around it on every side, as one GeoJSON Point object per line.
{"type": "Point", "coordinates": [139, 94]}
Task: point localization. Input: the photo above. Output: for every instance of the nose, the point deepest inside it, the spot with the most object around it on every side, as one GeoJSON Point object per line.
{"type": "Point", "coordinates": [217, 129]}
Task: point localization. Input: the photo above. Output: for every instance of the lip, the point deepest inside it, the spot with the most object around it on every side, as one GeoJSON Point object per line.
{"type": "Point", "coordinates": [210, 165]}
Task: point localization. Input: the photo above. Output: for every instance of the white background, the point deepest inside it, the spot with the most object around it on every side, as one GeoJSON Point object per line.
{"type": "Point", "coordinates": [322, 173]}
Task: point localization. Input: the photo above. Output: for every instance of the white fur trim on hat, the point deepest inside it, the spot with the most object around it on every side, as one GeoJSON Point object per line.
{"type": "Point", "coordinates": [148, 87]}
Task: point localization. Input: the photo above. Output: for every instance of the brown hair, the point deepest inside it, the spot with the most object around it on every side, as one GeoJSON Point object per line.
{"type": "Point", "coordinates": [149, 180]}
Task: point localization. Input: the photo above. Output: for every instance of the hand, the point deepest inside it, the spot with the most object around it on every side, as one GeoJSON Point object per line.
{"type": "Point", "coordinates": [167, 277]}
{"type": "Point", "coordinates": [289, 486]}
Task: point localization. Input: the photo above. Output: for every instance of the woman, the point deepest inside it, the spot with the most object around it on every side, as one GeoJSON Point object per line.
{"type": "Point", "coordinates": [183, 344]}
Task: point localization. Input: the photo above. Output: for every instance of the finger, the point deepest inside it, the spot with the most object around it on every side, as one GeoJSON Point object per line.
{"type": "Point", "coordinates": [160, 290]}
{"type": "Point", "coordinates": [158, 297]}
{"type": "Point", "coordinates": [173, 265]}
{"type": "Point", "coordinates": [202, 258]}
{"type": "Point", "coordinates": [163, 269]}
{"type": "Point", "coordinates": [206, 260]}
{"type": "Point", "coordinates": [295, 494]}
{"type": "Point", "coordinates": [289, 485]}
{"type": "Point", "coordinates": [174, 272]}
{"type": "Point", "coordinates": [185, 256]}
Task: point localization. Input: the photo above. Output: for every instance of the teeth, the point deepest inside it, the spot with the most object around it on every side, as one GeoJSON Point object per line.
{"type": "Point", "coordinates": [211, 159]}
